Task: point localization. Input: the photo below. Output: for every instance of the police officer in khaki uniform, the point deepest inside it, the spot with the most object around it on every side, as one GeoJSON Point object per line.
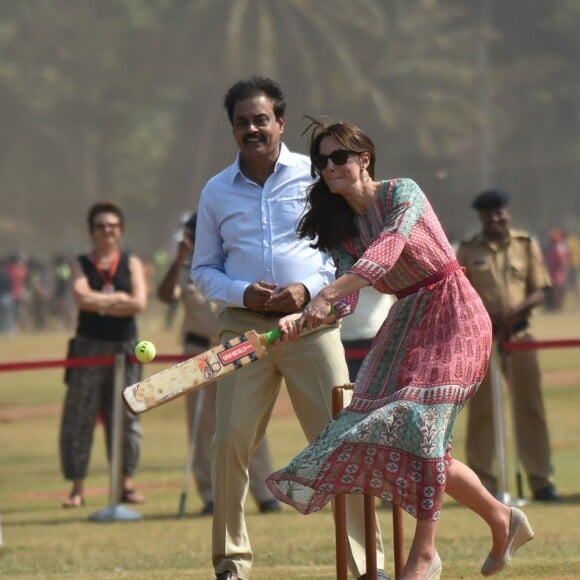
{"type": "Point", "coordinates": [200, 332]}
{"type": "Point", "coordinates": [506, 267]}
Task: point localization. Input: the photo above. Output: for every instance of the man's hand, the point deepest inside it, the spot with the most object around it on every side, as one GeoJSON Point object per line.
{"type": "Point", "coordinates": [501, 326]}
{"type": "Point", "coordinates": [504, 323]}
{"type": "Point", "coordinates": [257, 294]}
{"type": "Point", "coordinates": [287, 299]}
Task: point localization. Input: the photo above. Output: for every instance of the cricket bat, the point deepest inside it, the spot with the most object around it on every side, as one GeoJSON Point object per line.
{"type": "Point", "coordinates": [198, 371]}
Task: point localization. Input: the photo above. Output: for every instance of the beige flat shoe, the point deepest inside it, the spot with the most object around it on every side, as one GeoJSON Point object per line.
{"type": "Point", "coordinates": [520, 533]}
{"type": "Point", "coordinates": [434, 571]}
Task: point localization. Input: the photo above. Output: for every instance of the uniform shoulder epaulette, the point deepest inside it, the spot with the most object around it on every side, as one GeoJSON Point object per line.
{"type": "Point", "coordinates": [521, 234]}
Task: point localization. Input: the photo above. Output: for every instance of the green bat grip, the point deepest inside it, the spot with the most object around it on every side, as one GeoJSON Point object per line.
{"type": "Point", "coordinates": [276, 334]}
{"type": "Point", "coordinates": [272, 336]}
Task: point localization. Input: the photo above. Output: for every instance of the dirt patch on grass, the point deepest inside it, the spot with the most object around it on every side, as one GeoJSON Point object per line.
{"type": "Point", "coordinates": [282, 409]}
{"type": "Point", "coordinates": [29, 412]}
{"type": "Point", "coordinates": [562, 378]}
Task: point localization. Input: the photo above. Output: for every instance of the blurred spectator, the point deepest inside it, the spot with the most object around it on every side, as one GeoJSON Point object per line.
{"type": "Point", "coordinates": [171, 313]}
{"type": "Point", "coordinates": [17, 270]}
{"type": "Point", "coordinates": [149, 272]}
{"type": "Point", "coordinates": [40, 294]}
{"type": "Point", "coordinates": [109, 290]}
{"type": "Point", "coordinates": [558, 264]}
{"type": "Point", "coordinates": [161, 262]}
{"type": "Point", "coordinates": [6, 300]}
{"type": "Point", "coordinates": [62, 302]}
{"type": "Point", "coordinates": [200, 332]}
{"type": "Point", "coordinates": [506, 268]}
{"type": "Point", "coordinates": [574, 273]}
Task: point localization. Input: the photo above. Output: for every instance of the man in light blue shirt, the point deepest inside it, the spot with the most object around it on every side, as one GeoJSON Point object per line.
{"type": "Point", "coordinates": [248, 258]}
{"type": "Point", "coordinates": [249, 250]}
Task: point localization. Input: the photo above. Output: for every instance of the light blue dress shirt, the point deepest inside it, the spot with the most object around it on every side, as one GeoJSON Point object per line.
{"type": "Point", "coordinates": [246, 233]}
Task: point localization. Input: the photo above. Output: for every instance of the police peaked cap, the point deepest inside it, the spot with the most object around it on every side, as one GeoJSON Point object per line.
{"type": "Point", "coordinates": [491, 199]}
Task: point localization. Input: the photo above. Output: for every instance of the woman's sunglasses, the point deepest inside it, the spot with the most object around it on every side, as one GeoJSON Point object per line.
{"type": "Point", "coordinates": [338, 157]}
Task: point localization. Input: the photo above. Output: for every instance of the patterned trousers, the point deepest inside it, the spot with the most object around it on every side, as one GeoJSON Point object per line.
{"type": "Point", "coordinates": [90, 394]}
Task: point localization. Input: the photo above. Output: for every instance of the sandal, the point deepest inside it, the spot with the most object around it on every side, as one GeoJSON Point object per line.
{"type": "Point", "coordinates": [132, 496]}
{"type": "Point", "coordinates": [75, 500]}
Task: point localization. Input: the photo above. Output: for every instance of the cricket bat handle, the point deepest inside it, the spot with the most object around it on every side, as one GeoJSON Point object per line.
{"type": "Point", "coordinates": [275, 334]}
{"type": "Point", "coordinates": [272, 336]}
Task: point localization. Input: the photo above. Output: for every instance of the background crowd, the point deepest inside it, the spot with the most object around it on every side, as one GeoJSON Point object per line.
{"type": "Point", "coordinates": [36, 294]}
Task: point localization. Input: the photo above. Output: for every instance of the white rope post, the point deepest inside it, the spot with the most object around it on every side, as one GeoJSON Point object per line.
{"type": "Point", "coordinates": [497, 397]}
{"type": "Point", "coordinates": [115, 511]}
{"type": "Point", "coordinates": [519, 500]}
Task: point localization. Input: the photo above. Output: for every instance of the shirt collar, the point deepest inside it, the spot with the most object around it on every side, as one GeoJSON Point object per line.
{"type": "Point", "coordinates": [285, 159]}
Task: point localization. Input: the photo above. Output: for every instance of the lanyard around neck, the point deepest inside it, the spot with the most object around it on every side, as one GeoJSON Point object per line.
{"type": "Point", "coordinates": [108, 274]}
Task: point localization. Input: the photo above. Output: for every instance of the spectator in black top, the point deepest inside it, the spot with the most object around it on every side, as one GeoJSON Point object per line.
{"type": "Point", "coordinates": [109, 290]}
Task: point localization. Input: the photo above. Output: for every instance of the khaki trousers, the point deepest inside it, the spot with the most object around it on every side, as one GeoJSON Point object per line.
{"type": "Point", "coordinates": [310, 367]}
{"type": "Point", "coordinates": [200, 410]}
{"type": "Point", "coordinates": [530, 425]}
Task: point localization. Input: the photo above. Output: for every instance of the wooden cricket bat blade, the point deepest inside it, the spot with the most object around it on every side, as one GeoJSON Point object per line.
{"type": "Point", "coordinates": [198, 371]}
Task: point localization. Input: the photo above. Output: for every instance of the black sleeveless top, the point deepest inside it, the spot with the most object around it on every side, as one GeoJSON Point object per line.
{"type": "Point", "coordinates": [107, 328]}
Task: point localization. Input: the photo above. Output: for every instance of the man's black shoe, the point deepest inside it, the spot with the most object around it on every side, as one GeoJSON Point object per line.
{"type": "Point", "coordinates": [207, 509]}
{"type": "Point", "coordinates": [270, 506]}
{"type": "Point", "coordinates": [547, 493]}
{"type": "Point", "coordinates": [381, 575]}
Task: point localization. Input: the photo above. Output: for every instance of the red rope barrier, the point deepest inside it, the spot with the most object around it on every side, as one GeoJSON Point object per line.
{"type": "Point", "coordinates": [356, 353]}
{"type": "Point", "coordinates": [95, 361]}
{"type": "Point", "coordinates": [352, 353]}
{"type": "Point", "coordinates": [47, 364]}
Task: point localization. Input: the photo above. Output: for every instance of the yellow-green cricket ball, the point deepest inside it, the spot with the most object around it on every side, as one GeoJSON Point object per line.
{"type": "Point", "coordinates": [145, 351]}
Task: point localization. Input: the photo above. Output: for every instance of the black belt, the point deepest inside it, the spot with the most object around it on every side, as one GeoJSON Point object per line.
{"type": "Point", "coordinates": [193, 339]}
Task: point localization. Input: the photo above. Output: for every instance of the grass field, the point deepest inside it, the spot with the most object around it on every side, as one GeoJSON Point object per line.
{"type": "Point", "coordinates": [41, 540]}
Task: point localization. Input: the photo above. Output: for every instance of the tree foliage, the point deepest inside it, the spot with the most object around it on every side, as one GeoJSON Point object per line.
{"type": "Point", "coordinates": [122, 99]}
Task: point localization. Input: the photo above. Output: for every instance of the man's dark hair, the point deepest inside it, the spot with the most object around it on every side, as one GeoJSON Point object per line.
{"type": "Point", "coordinates": [104, 207]}
{"type": "Point", "coordinates": [250, 88]}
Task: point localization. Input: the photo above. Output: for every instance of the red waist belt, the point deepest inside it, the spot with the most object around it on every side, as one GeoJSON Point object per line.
{"type": "Point", "coordinates": [428, 282]}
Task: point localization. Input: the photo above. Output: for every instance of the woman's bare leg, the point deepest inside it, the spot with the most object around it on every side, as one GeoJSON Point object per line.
{"type": "Point", "coordinates": [76, 497]}
{"type": "Point", "coordinates": [466, 488]}
{"type": "Point", "coordinates": [422, 551]}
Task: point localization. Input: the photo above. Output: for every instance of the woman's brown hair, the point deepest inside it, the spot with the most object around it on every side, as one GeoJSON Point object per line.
{"type": "Point", "coordinates": [329, 220]}
{"type": "Point", "coordinates": [104, 207]}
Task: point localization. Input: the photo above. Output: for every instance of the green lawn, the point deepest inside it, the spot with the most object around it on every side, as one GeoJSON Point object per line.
{"type": "Point", "coordinates": [41, 540]}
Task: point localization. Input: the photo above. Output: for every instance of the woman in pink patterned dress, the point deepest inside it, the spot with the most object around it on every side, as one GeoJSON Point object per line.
{"type": "Point", "coordinates": [426, 362]}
